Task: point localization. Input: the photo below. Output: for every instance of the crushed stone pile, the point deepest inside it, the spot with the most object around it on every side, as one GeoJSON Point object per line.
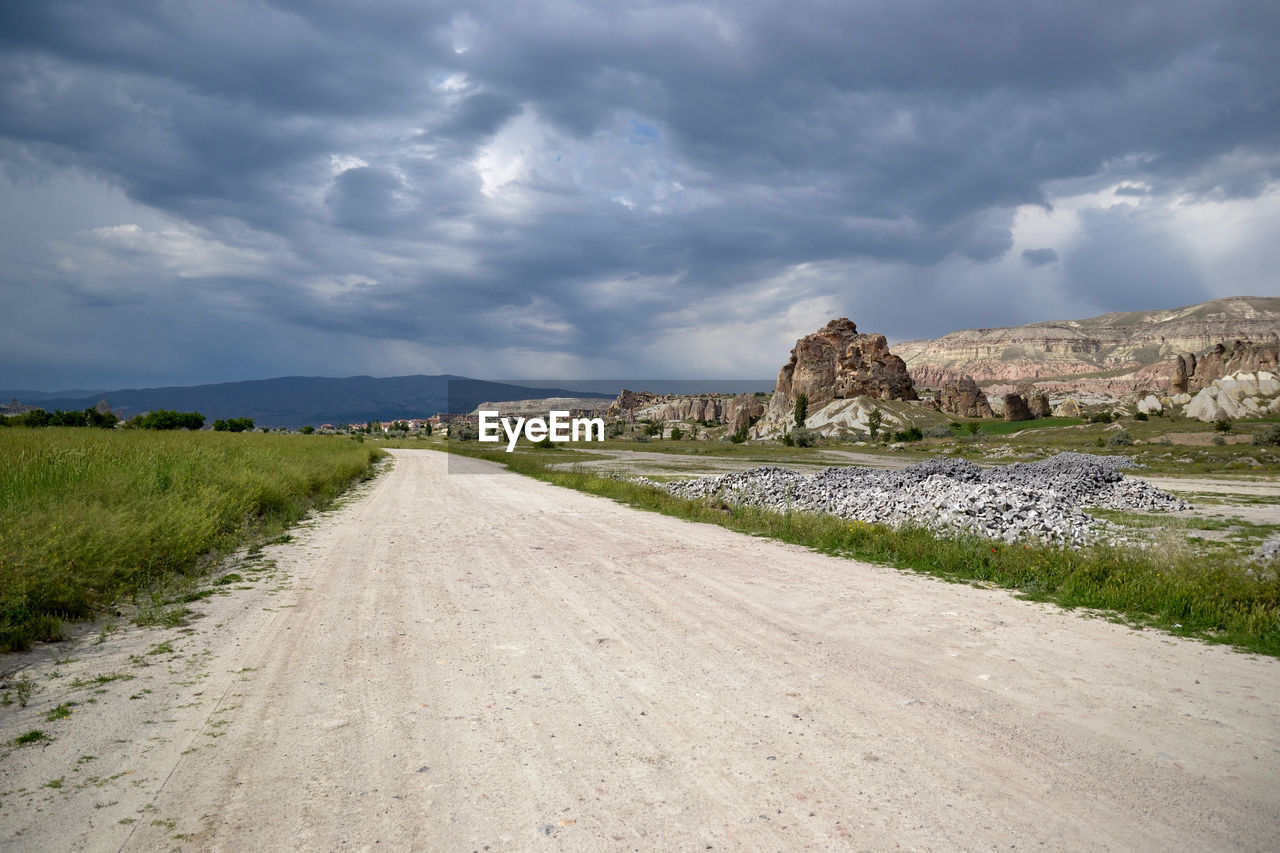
{"type": "Point", "coordinates": [1041, 500]}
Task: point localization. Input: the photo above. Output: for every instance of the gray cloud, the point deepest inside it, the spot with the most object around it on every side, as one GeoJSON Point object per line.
{"type": "Point", "coordinates": [481, 186]}
{"type": "Point", "coordinates": [1039, 257]}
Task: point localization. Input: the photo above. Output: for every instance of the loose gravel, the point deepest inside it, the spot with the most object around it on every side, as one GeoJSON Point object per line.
{"type": "Point", "coordinates": [1042, 500]}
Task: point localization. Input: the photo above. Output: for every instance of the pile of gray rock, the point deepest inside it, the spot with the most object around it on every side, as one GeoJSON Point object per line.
{"type": "Point", "coordinates": [1042, 500]}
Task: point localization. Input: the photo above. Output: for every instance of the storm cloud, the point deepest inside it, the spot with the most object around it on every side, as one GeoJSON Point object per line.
{"type": "Point", "coordinates": [198, 191]}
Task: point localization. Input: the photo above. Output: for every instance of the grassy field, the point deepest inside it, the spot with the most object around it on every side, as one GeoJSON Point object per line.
{"type": "Point", "coordinates": [90, 516]}
{"type": "Point", "coordinates": [1171, 586]}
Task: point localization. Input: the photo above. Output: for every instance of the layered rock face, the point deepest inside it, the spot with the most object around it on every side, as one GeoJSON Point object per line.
{"type": "Point", "coordinates": [1127, 341]}
{"type": "Point", "coordinates": [837, 363]}
{"type": "Point", "coordinates": [736, 412]}
{"type": "Point", "coordinates": [963, 398]}
{"type": "Point", "coordinates": [1192, 373]}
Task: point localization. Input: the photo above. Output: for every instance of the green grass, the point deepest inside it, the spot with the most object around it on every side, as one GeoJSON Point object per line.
{"type": "Point", "coordinates": [33, 736]}
{"type": "Point", "coordinates": [1173, 588]}
{"type": "Point", "coordinates": [1008, 427]}
{"type": "Point", "coordinates": [90, 516]}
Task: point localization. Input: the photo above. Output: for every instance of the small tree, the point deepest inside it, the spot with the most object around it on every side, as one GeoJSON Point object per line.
{"type": "Point", "coordinates": [307, 430]}
{"type": "Point", "coordinates": [802, 409]}
{"type": "Point", "coordinates": [874, 421]}
{"type": "Point", "coordinates": [676, 434]}
{"type": "Point", "coordinates": [1223, 424]}
{"type": "Point", "coordinates": [428, 428]}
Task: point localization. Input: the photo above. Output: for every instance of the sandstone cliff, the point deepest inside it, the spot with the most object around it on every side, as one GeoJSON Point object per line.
{"type": "Point", "coordinates": [1135, 348]}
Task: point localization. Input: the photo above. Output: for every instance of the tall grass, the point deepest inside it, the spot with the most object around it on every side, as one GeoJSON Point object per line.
{"type": "Point", "coordinates": [87, 516]}
{"type": "Point", "coordinates": [1170, 587]}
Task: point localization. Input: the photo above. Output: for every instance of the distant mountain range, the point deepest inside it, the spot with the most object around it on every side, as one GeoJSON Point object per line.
{"type": "Point", "coordinates": [294, 401]}
{"type": "Point", "coordinates": [1117, 351]}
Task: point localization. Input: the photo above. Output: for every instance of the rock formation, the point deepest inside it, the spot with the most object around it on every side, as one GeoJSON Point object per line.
{"type": "Point", "coordinates": [1068, 408]}
{"type": "Point", "coordinates": [1139, 341]}
{"type": "Point", "coordinates": [837, 363]}
{"type": "Point", "coordinates": [963, 398]}
{"type": "Point", "coordinates": [1238, 395]}
{"type": "Point", "coordinates": [1038, 404]}
{"type": "Point", "coordinates": [1015, 408]}
{"type": "Point", "coordinates": [1192, 373]}
{"type": "Point", "coordinates": [644, 405]}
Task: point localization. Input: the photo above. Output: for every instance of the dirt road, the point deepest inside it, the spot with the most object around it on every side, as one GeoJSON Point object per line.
{"type": "Point", "coordinates": [481, 661]}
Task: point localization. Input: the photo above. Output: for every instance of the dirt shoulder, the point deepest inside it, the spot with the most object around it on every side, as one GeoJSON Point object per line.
{"type": "Point", "coordinates": [460, 660]}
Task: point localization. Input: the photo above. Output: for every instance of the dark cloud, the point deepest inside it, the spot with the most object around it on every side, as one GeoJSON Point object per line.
{"type": "Point", "coordinates": [1039, 257]}
{"type": "Point", "coordinates": [438, 180]}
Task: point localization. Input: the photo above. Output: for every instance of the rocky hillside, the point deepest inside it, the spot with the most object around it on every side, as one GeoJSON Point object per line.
{"type": "Point", "coordinates": [1133, 351]}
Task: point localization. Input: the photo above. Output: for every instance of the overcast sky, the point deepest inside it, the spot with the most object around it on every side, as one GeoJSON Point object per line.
{"type": "Point", "coordinates": [217, 190]}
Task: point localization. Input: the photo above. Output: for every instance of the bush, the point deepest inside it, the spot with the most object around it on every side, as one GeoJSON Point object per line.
{"type": "Point", "coordinates": [1140, 416]}
{"type": "Point", "coordinates": [234, 425]}
{"type": "Point", "coordinates": [643, 438]}
{"type": "Point", "coordinates": [463, 432]}
{"type": "Point", "coordinates": [1223, 424]}
{"type": "Point", "coordinates": [1100, 418]}
{"type": "Point", "coordinates": [676, 434]}
{"type": "Point", "coordinates": [908, 434]}
{"type": "Point", "coordinates": [804, 437]}
{"type": "Point", "coordinates": [308, 429]}
{"type": "Point", "coordinates": [1120, 439]}
{"type": "Point", "coordinates": [1220, 440]}
{"type": "Point", "coordinates": [786, 438]}
{"type": "Point", "coordinates": [1269, 437]}
{"type": "Point", "coordinates": [652, 428]}
{"type": "Point", "coordinates": [973, 429]}
{"type": "Point", "coordinates": [168, 419]}
{"type": "Point", "coordinates": [941, 431]}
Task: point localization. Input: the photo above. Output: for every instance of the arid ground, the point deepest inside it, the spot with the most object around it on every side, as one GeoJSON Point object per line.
{"type": "Point", "coordinates": [469, 661]}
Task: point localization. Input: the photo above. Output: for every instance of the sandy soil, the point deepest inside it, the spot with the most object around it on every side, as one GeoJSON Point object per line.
{"type": "Point", "coordinates": [481, 661]}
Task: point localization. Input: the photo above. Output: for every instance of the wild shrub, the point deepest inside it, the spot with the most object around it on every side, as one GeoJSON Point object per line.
{"type": "Point", "coordinates": [1120, 439]}
{"type": "Point", "coordinates": [804, 437]}
{"type": "Point", "coordinates": [1269, 437]}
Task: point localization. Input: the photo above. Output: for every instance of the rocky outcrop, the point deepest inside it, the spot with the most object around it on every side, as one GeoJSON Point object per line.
{"type": "Point", "coordinates": [1151, 405]}
{"type": "Point", "coordinates": [1129, 341]}
{"type": "Point", "coordinates": [1038, 404]}
{"type": "Point", "coordinates": [963, 398]}
{"type": "Point", "coordinates": [1068, 408]}
{"type": "Point", "coordinates": [735, 412]}
{"type": "Point", "coordinates": [1238, 395]}
{"type": "Point", "coordinates": [742, 411]}
{"type": "Point", "coordinates": [629, 401]}
{"type": "Point", "coordinates": [1015, 408]}
{"type": "Point", "coordinates": [1192, 373]}
{"type": "Point", "coordinates": [837, 363]}
{"type": "Point", "coordinates": [577, 407]}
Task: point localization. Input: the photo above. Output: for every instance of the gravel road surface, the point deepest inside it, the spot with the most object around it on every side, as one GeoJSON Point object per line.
{"type": "Point", "coordinates": [472, 661]}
